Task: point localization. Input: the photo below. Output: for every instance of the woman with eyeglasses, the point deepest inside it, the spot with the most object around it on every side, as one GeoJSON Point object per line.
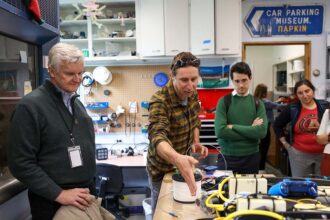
{"type": "Point", "coordinates": [303, 118]}
{"type": "Point", "coordinates": [260, 93]}
{"type": "Point", "coordinates": [174, 126]}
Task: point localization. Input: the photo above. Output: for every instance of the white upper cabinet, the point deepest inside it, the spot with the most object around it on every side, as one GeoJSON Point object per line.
{"type": "Point", "coordinates": [176, 26]}
{"type": "Point", "coordinates": [228, 24]}
{"type": "Point", "coordinates": [110, 33]}
{"type": "Point", "coordinates": [202, 27]}
{"type": "Point", "coordinates": [150, 27]}
{"type": "Point", "coordinates": [186, 25]}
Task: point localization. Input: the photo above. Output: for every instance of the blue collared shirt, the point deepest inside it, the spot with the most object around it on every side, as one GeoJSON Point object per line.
{"type": "Point", "coordinates": [66, 96]}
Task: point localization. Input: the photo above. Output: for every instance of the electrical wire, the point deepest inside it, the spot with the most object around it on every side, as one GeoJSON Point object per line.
{"type": "Point", "coordinates": [134, 127]}
{"type": "Point", "coordinates": [111, 146]}
{"type": "Point", "coordinates": [217, 207]}
{"type": "Point", "coordinates": [325, 195]}
{"type": "Point", "coordinates": [208, 181]}
{"type": "Point", "coordinates": [223, 157]}
{"type": "Point", "coordinates": [127, 124]}
{"type": "Point", "coordinates": [220, 192]}
{"type": "Point", "coordinates": [311, 200]}
{"type": "Point", "coordinates": [252, 212]}
{"type": "Point", "coordinates": [130, 124]}
{"type": "Point", "coordinates": [87, 80]}
{"type": "Point", "coordinates": [230, 204]}
{"type": "Point", "coordinates": [142, 143]}
{"type": "Point", "coordinates": [289, 200]}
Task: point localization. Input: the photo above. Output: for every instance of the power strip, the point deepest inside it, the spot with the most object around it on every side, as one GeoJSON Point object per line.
{"type": "Point", "coordinates": [276, 205]}
{"type": "Point", "coordinates": [246, 185]}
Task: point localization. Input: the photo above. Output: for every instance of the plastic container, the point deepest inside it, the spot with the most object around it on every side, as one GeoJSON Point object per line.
{"type": "Point", "coordinates": [146, 203]}
{"type": "Point", "coordinates": [181, 191]}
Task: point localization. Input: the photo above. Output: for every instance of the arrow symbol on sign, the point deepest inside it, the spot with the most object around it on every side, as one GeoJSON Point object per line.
{"type": "Point", "coordinates": [252, 21]}
{"type": "Point", "coordinates": [255, 20]}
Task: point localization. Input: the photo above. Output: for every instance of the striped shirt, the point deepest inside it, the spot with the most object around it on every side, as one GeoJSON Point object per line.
{"type": "Point", "coordinates": [172, 122]}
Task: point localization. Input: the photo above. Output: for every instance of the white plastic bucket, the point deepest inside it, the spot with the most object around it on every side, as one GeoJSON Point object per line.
{"type": "Point", "coordinates": [181, 192]}
{"type": "Point", "coordinates": [146, 203]}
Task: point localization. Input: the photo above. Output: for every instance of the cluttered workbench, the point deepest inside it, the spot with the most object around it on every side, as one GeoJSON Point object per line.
{"type": "Point", "coordinates": [249, 195]}
{"type": "Point", "coordinates": [167, 208]}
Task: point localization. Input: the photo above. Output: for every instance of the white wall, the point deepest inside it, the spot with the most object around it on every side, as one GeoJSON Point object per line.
{"type": "Point", "coordinates": [262, 58]}
{"type": "Point", "coordinates": [285, 52]}
{"type": "Point", "coordinates": [318, 50]}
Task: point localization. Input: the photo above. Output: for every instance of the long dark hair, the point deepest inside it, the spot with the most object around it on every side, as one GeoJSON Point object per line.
{"type": "Point", "coordinates": [260, 91]}
{"type": "Point", "coordinates": [303, 82]}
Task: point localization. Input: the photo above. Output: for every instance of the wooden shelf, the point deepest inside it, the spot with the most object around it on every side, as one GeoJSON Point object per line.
{"type": "Point", "coordinates": [67, 23]}
{"type": "Point", "coordinates": [96, 45]}
{"type": "Point", "coordinates": [116, 39]}
{"type": "Point", "coordinates": [297, 71]}
{"type": "Point", "coordinates": [292, 73]}
{"type": "Point", "coordinates": [117, 21]}
{"type": "Point", "coordinates": [74, 40]}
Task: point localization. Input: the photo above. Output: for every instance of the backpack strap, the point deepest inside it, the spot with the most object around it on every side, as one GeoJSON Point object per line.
{"type": "Point", "coordinates": [257, 103]}
{"type": "Point", "coordinates": [227, 101]}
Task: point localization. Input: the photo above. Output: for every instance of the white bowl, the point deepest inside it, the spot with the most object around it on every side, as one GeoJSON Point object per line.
{"type": "Point", "coordinates": [102, 75]}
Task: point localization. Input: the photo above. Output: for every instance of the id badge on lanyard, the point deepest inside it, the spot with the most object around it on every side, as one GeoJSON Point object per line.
{"type": "Point", "coordinates": [75, 155]}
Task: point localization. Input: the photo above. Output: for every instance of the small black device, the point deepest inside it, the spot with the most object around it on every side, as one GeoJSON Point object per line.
{"type": "Point", "coordinates": [101, 154]}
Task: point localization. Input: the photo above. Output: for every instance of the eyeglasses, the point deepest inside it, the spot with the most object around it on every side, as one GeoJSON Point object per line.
{"type": "Point", "coordinates": [240, 81]}
{"type": "Point", "coordinates": [185, 62]}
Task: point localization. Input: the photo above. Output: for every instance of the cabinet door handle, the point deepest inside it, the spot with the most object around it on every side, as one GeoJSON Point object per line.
{"type": "Point", "coordinates": [206, 49]}
{"type": "Point", "coordinates": [155, 51]}
{"type": "Point", "coordinates": [174, 50]}
{"type": "Point", "coordinates": [225, 49]}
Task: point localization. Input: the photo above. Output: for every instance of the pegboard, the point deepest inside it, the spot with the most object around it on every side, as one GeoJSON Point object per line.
{"type": "Point", "coordinates": [132, 83]}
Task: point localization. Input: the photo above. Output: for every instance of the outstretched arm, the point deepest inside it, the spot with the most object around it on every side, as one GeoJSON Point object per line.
{"type": "Point", "coordinates": [184, 163]}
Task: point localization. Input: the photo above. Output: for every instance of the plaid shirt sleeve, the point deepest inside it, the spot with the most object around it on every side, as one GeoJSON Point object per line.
{"type": "Point", "coordinates": [159, 127]}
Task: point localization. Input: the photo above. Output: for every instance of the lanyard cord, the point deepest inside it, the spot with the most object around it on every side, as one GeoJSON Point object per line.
{"type": "Point", "coordinates": [70, 130]}
{"type": "Point", "coordinates": [73, 98]}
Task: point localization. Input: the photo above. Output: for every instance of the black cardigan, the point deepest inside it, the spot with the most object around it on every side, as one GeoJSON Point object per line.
{"type": "Point", "coordinates": [290, 115]}
{"type": "Point", "coordinates": [39, 141]}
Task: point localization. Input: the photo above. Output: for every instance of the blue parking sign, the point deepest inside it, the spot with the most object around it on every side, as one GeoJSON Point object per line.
{"type": "Point", "coordinates": [285, 20]}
